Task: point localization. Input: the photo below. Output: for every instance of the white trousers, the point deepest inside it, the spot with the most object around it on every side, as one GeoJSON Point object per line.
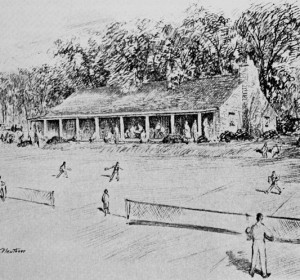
{"type": "Point", "coordinates": [259, 249]}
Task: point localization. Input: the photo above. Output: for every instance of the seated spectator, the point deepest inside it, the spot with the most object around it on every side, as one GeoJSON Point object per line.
{"type": "Point", "coordinates": [132, 131]}
{"type": "Point", "coordinates": [151, 133]}
{"type": "Point", "coordinates": [157, 130]}
{"type": "Point", "coordinates": [93, 137]}
{"type": "Point", "coordinates": [138, 131]}
{"type": "Point", "coordinates": [108, 138]}
{"type": "Point", "coordinates": [127, 134]}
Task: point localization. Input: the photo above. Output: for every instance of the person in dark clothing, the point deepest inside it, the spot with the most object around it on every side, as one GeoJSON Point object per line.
{"type": "Point", "coordinates": [116, 169]}
{"type": "Point", "coordinates": [63, 170]}
{"type": "Point", "coordinates": [273, 180]}
{"type": "Point", "coordinates": [105, 201]}
{"type": "Point", "coordinates": [3, 190]}
{"type": "Point", "coordinates": [36, 138]}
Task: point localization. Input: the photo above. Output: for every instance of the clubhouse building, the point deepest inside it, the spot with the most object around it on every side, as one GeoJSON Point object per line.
{"type": "Point", "coordinates": [217, 104]}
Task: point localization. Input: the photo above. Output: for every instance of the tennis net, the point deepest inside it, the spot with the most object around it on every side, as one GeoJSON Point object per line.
{"type": "Point", "coordinates": [284, 229]}
{"type": "Point", "coordinates": [32, 195]}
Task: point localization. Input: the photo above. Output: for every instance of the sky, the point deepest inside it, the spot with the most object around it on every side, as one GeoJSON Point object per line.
{"type": "Point", "coordinates": [28, 28]}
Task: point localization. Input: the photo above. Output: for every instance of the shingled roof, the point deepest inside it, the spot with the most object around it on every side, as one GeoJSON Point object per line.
{"type": "Point", "coordinates": [202, 94]}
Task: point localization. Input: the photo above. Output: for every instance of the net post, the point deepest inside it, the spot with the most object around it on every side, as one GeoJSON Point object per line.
{"type": "Point", "coordinates": [52, 199]}
{"type": "Point", "coordinates": [127, 208]}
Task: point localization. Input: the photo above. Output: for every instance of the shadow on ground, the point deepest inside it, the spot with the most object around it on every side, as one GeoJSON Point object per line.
{"type": "Point", "coordinates": [240, 262]}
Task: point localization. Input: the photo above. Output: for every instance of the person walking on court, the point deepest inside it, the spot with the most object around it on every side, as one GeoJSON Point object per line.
{"type": "Point", "coordinates": [258, 233]}
{"type": "Point", "coordinates": [275, 150]}
{"type": "Point", "coordinates": [264, 150]}
{"type": "Point", "coordinates": [3, 190]}
{"type": "Point", "coordinates": [105, 201]}
{"type": "Point", "coordinates": [273, 180]}
{"type": "Point", "coordinates": [116, 170]}
{"type": "Point", "coordinates": [63, 170]}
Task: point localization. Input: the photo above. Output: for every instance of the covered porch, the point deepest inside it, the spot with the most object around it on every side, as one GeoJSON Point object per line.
{"type": "Point", "coordinates": [130, 126]}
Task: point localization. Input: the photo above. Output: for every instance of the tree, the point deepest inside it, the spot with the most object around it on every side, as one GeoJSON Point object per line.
{"type": "Point", "coordinates": [83, 66]}
{"type": "Point", "coordinates": [204, 43]}
{"type": "Point", "coordinates": [271, 36]}
{"type": "Point", "coordinates": [4, 84]}
{"type": "Point", "coordinates": [214, 41]}
{"type": "Point", "coordinates": [48, 86]}
{"type": "Point", "coordinates": [127, 49]}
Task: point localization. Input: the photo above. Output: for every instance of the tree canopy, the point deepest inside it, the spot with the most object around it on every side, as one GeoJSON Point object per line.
{"type": "Point", "coordinates": [128, 54]}
{"type": "Point", "coordinates": [271, 36]}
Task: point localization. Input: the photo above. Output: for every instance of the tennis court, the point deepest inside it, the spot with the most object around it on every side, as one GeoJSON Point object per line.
{"type": "Point", "coordinates": [75, 241]}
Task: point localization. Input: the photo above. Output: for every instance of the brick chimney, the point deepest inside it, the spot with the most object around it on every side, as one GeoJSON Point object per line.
{"type": "Point", "coordinates": [252, 96]}
{"type": "Point", "coordinates": [244, 77]}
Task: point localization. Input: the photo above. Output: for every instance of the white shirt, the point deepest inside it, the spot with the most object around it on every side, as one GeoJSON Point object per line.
{"type": "Point", "coordinates": [259, 230]}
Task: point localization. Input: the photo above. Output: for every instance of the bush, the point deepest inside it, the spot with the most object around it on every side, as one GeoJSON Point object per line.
{"type": "Point", "coordinates": [202, 139]}
{"type": "Point", "coordinates": [243, 135]}
{"type": "Point", "coordinates": [57, 139]}
{"type": "Point", "coordinates": [227, 136]}
{"type": "Point", "coordinates": [286, 125]}
{"type": "Point", "coordinates": [175, 138]}
{"type": "Point", "coordinates": [271, 134]}
{"type": "Point", "coordinates": [240, 135]}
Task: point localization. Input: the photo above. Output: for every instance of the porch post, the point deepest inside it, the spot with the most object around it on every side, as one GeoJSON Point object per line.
{"type": "Point", "coordinates": [97, 130]}
{"type": "Point", "coordinates": [172, 124]}
{"type": "Point", "coordinates": [215, 123]}
{"type": "Point", "coordinates": [60, 128]}
{"type": "Point", "coordinates": [77, 129]}
{"type": "Point", "coordinates": [199, 121]}
{"type": "Point", "coordinates": [122, 128]}
{"type": "Point", "coordinates": [45, 128]}
{"type": "Point", "coordinates": [147, 126]}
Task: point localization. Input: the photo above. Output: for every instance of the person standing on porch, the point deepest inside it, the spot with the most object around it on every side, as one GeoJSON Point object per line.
{"type": "Point", "coordinates": [36, 138]}
{"type": "Point", "coordinates": [187, 130]}
{"type": "Point", "coordinates": [206, 128]}
{"type": "Point", "coordinates": [117, 134]}
{"type": "Point", "coordinates": [195, 131]}
{"type": "Point", "coordinates": [31, 135]}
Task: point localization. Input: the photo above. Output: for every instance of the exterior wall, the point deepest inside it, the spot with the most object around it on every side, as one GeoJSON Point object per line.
{"type": "Point", "coordinates": [217, 123]}
{"type": "Point", "coordinates": [259, 116]}
{"type": "Point", "coordinates": [230, 116]}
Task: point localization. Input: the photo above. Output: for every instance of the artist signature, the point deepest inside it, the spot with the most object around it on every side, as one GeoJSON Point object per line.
{"type": "Point", "coordinates": [12, 251]}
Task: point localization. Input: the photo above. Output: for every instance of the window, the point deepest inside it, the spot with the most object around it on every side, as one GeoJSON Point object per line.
{"type": "Point", "coordinates": [267, 121]}
{"type": "Point", "coordinates": [231, 116]}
